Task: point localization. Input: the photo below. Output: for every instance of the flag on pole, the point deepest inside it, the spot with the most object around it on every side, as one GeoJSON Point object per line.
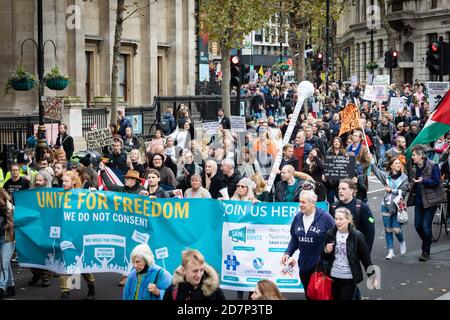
{"type": "Point", "coordinates": [261, 71]}
{"type": "Point", "coordinates": [349, 119]}
{"type": "Point", "coordinates": [436, 126]}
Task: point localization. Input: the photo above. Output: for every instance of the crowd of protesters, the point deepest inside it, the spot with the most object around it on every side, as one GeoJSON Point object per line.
{"type": "Point", "coordinates": [178, 162]}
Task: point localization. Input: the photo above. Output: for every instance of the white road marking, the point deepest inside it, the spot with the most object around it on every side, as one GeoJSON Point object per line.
{"type": "Point", "coordinates": [378, 190]}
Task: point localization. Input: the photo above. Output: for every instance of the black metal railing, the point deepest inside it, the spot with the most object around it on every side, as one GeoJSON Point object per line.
{"type": "Point", "coordinates": [94, 118]}
{"type": "Point", "coordinates": [16, 130]}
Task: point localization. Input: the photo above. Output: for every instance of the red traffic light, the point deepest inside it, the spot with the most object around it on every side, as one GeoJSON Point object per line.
{"type": "Point", "coordinates": [434, 47]}
{"type": "Point", "coordinates": [319, 56]}
{"type": "Point", "coordinates": [235, 59]}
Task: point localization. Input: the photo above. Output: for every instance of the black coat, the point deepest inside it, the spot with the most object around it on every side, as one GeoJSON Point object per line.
{"type": "Point", "coordinates": [216, 185]}
{"type": "Point", "coordinates": [231, 182]}
{"type": "Point", "coordinates": [67, 144]}
{"type": "Point", "coordinates": [280, 191]}
{"type": "Point", "coordinates": [357, 253]}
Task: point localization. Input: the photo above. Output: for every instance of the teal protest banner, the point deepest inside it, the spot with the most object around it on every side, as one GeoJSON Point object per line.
{"type": "Point", "coordinates": [80, 231]}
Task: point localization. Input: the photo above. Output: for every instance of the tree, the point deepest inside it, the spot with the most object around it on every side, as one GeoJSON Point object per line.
{"type": "Point", "coordinates": [393, 36]}
{"type": "Point", "coordinates": [125, 9]}
{"type": "Point", "coordinates": [227, 23]}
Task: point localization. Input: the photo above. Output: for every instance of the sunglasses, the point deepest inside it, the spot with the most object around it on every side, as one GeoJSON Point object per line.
{"type": "Point", "coordinates": [239, 186]}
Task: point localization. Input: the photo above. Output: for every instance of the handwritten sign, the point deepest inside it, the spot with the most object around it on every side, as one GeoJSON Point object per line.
{"type": "Point", "coordinates": [238, 124]}
{"type": "Point", "coordinates": [98, 138]}
{"type": "Point", "coordinates": [396, 103]}
{"type": "Point", "coordinates": [369, 93]}
{"type": "Point", "coordinates": [381, 80]}
{"type": "Point", "coordinates": [211, 127]}
{"type": "Point", "coordinates": [339, 167]}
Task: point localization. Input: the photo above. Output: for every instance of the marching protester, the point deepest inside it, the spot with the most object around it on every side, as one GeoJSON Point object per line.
{"type": "Point", "coordinates": [7, 245]}
{"type": "Point", "coordinates": [344, 250]}
{"type": "Point", "coordinates": [396, 184]}
{"type": "Point", "coordinates": [65, 141]}
{"type": "Point", "coordinates": [194, 280]}
{"type": "Point", "coordinates": [70, 181]}
{"type": "Point", "coordinates": [196, 191]}
{"type": "Point", "coordinates": [130, 140]}
{"type": "Point", "coordinates": [266, 290]}
{"type": "Point", "coordinates": [308, 236]}
{"type": "Point", "coordinates": [168, 181]}
{"type": "Point", "coordinates": [426, 194]}
{"type": "Point", "coordinates": [154, 190]}
{"type": "Point", "coordinates": [147, 281]}
{"type": "Point", "coordinates": [244, 191]}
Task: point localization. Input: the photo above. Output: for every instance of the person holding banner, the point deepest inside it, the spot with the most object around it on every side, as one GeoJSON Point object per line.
{"type": "Point", "coordinates": [360, 151]}
{"type": "Point", "coordinates": [211, 179]}
{"type": "Point", "coordinates": [154, 190]}
{"type": "Point", "coordinates": [69, 183]}
{"type": "Point", "coordinates": [7, 244]}
{"type": "Point", "coordinates": [194, 280]}
{"type": "Point", "coordinates": [147, 281]}
{"type": "Point", "coordinates": [308, 232]}
{"type": "Point", "coordinates": [245, 191]}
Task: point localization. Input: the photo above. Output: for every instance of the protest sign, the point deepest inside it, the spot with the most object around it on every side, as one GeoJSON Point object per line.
{"type": "Point", "coordinates": [350, 119]}
{"type": "Point", "coordinates": [381, 93]}
{"type": "Point", "coordinates": [369, 93]}
{"type": "Point", "coordinates": [98, 138]}
{"type": "Point", "coordinates": [211, 127]}
{"type": "Point", "coordinates": [396, 103]}
{"type": "Point", "coordinates": [354, 80]}
{"type": "Point", "coordinates": [316, 107]}
{"type": "Point", "coordinates": [436, 91]}
{"type": "Point", "coordinates": [381, 80]}
{"type": "Point", "coordinates": [238, 124]}
{"type": "Point", "coordinates": [339, 167]}
{"type": "Point", "coordinates": [78, 231]}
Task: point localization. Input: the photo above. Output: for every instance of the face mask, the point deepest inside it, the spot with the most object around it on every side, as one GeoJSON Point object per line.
{"type": "Point", "coordinates": [24, 168]}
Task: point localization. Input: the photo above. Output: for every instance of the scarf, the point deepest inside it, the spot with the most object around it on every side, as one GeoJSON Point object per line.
{"type": "Point", "coordinates": [355, 151]}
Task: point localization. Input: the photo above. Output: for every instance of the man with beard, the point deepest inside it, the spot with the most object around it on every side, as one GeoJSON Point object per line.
{"type": "Point", "coordinates": [394, 152]}
{"type": "Point", "coordinates": [412, 134]}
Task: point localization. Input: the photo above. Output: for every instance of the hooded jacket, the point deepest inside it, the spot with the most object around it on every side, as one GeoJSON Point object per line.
{"type": "Point", "coordinates": [154, 274]}
{"type": "Point", "coordinates": [207, 290]}
{"type": "Point", "coordinates": [312, 242]}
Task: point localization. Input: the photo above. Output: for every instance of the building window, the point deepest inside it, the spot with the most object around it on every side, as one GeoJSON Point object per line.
{"type": "Point", "coordinates": [363, 11]}
{"type": "Point", "coordinates": [397, 5]}
{"type": "Point", "coordinates": [380, 48]}
{"type": "Point", "coordinates": [123, 78]}
{"type": "Point", "coordinates": [88, 68]}
{"type": "Point", "coordinates": [433, 4]}
{"type": "Point", "coordinates": [432, 37]}
{"type": "Point", "coordinates": [408, 49]}
{"type": "Point", "coordinates": [258, 35]}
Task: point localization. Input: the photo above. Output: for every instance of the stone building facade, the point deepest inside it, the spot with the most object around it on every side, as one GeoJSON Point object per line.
{"type": "Point", "coordinates": [157, 50]}
{"type": "Point", "coordinates": [418, 23]}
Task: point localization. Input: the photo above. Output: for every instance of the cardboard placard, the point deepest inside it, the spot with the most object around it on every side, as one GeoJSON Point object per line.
{"type": "Point", "coordinates": [211, 127]}
{"type": "Point", "coordinates": [339, 167]}
{"type": "Point", "coordinates": [350, 119]}
{"type": "Point", "coordinates": [98, 138]}
{"type": "Point", "coordinates": [436, 91]}
{"type": "Point", "coordinates": [369, 93]}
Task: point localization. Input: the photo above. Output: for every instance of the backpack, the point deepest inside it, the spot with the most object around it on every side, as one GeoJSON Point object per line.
{"type": "Point", "coordinates": [358, 210]}
{"type": "Point", "coordinates": [165, 126]}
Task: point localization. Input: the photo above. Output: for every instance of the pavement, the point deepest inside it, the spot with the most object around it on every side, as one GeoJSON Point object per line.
{"type": "Point", "coordinates": [402, 278]}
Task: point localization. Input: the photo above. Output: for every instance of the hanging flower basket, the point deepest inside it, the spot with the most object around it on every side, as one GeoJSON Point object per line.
{"type": "Point", "coordinates": [57, 83]}
{"type": "Point", "coordinates": [55, 80]}
{"type": "Point", "coordinates": [371, 66]}
{"type": "Point", "coordinates": [20, 80]}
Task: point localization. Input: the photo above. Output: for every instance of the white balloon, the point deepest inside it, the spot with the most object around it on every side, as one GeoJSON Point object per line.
{"type": "Point", "coordinates": [306, 89]}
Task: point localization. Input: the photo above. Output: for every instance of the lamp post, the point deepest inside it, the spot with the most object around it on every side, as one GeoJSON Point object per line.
{"type": "Point", "coordinates": [41, 143]}
{"type": "Point", "coordinates": [327, 50]}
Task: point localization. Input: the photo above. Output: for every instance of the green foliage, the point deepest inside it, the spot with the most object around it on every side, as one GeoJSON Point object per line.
{"type": "Point", "coordinates": [55, 74]}
{"type": "Point", "coordinates": [371, 66]}
{"type": "Point", "coordinates": [18, 75]}
{"type": "Point", "coordinates": [229, 21]}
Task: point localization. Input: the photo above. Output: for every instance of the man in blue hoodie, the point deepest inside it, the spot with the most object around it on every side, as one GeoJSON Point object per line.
{"type": "Point", "coordinates": [308, 232]}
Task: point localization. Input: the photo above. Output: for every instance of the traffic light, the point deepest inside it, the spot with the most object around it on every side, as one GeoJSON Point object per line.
{"type": "Point", "coordinates": [434, 56]}
{"type": "Point", "coordinates": [235, 72]}
{"type": "Point", "coordinates": [388, 60]}
{"type": "Point", "coordinates": [245, 76]}
{"type": "Point", "coordinates": [319, 62]}
{"type": "Point", "coordinates": [395, 55]}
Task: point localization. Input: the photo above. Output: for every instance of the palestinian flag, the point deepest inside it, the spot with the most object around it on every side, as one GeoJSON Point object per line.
{"type": "Point", "coordinates": [436, 126]}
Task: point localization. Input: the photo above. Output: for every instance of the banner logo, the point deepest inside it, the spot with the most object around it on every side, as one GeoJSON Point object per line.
{"type": "Point", "coordinates": [231, 262]}
{"type": "Point", "coordinates": [238, 234]}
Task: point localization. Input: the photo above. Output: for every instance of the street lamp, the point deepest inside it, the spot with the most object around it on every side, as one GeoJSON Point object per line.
{"type": "Point", "coordinates": [41, 143]}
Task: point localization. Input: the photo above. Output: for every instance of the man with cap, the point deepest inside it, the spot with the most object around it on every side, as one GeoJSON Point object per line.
{"type": "Point", "coordinates": [132, 182]}
{"type": "Point", "coordinates": [412, 134]}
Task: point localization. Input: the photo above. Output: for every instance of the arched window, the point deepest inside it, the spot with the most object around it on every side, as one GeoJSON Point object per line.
{"type": "Point", "coordinates": [380, 48]}
{"type": "Point", "coordinates": [408, 51]}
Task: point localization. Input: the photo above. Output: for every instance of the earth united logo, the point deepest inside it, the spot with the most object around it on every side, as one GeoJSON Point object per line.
{"type": "Point", "coordinates": [231, 262]}
{"type": "Point", "coordinates": [258, 263]}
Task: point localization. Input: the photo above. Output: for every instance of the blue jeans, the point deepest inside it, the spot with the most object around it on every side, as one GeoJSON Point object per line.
{"type": "Point", "coordinates": [391, 225]}
{"type": "Point", "coordinates": [423, 219]}
{"type": "Point", "coordinates": [6, 274]}
{"type": "Point", "coordinates": [383, 148]}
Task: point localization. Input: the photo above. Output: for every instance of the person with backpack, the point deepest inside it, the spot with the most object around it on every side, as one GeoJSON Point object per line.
{"type": "Point", "coordinates": [362, 215]}
{"type": "Point", "coordinates": [168, 123]}
{"type": "Point", "coordinates": [147, 281]}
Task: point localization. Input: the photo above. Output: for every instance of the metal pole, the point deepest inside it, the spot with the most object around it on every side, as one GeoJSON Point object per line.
{"type": "Point", "coordinates": [372, 53]}
{"type": "Point", "coordinates": [327, 53]}
{"type": "Point", "coordinates": [279, 35]}
{"type": "Point", "coordinates": [41, 144]}
{"type": "Point", "coordinates": [441, 61]}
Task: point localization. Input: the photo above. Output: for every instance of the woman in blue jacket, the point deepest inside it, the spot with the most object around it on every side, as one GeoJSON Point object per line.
{"type": "Point", "coordinates": [147, 281]}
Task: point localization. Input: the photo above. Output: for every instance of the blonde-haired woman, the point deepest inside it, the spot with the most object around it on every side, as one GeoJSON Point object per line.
{"type": "Point", "coordinates": [345, 250]}
{"type": "Point", "coordinates": [260, 189]}
{"type": "Point", "coordinates": [244, 191]}
{"type": "Point", "coordinates": [211, 180]}
{"type": "Point", "coordinates": [134, 162]}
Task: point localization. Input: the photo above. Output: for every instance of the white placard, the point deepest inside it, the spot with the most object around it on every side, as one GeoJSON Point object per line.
{"type": "Point", "coordinates": [162, 253]}
{"type": "Point", "coordinates": [211, 127]}
{"type": "Point", "coordinates": [369, 93]}
{"type": "Point", "coordinates": [238, 124]}
{"type": "Point", "coordinates": [316, 107]}
{"type": "Point", "coordinates": [381, 93]}
{"type": "Point", "coordinates": [396, 104]}
{"type": "Point", "coordinates": [354, 80]}
{"type": "Point", "coordinates": [436, 91]}
{"type": "Point", "coordinates": [381, 80]}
